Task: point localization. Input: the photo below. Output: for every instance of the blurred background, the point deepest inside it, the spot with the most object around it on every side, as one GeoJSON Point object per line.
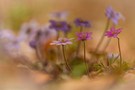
{"type": "Point", "coordinates": [15, 12]}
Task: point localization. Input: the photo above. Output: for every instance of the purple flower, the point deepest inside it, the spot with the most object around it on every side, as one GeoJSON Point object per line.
{"type": "Point", "coordinates": [84, 36]}
{"type": "Point", "coordinates": [60, 25]}
{"type": "Point", "coordinates": [81, 23]}
{"type": "Point", "coordinates": [62, 41]}
{"type": "Point", "coordinates": [59, 15]}
{"type": "Point", "coordinates": [113, 15]}
{"type": "Point", "coordinates": [43, 36]}
{"type": "Point", "coordinates": [9, 43]}
{"type": "Point", "coordinates": [67, 28]}
{"type": "Point", "coordinates": [7, 35]}
{"type": "Point", "coordinates": [113, 32]}
{"type": "Point", "coordinates": [33, 44]}
{"type": "Point", "coordinates": [28, 31]}
{"type": "Point", "coordinates": [48, 33]}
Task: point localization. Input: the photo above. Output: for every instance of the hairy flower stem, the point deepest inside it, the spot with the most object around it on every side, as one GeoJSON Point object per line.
{"type": "Point", "coordinates": [106, 45]}
{"type": "Point", "coordinates": [67, 65]}
{"type": "Point", "coordinates": [39, 54]}
{"type": "Point", "coordinates": [86, 65]}
{"type": "Point", "coordinates": [102, 37]}
{"type": "Point", "coordinates": [119, 51]}
{"type": "Point", "coordinates": [58, 32]}
{"type": "Point", "coordinates": [58, 48]}
{"type": "Point", "coordinates": [65, 35]}
{"type": "Point", "coordinates": [79, 44]}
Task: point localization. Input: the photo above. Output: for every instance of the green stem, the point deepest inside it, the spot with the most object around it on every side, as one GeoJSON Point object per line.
{"type": "Point", "coordinates": [38, 53]}
{"type": "Point", "coordinates": [58, 55]}
{"type": "Point", "coordinates": [66, 34]}
{"type": "Point", "coordinates": [107, 62]}
{"type": "Point", "coordinates": [81, 29]}
{"type": "Point", "coordinates": [102, 37]}
{"type": "Point", "coordinates": [58, 48]}
{"type": "Point", "coordinates": [58, 35]}
{"type": "Point", "coordinates": [79, 44]}
{"type": "Point", "coordinates": [119, 51]}
{"type": "Point", "coordinates": [67, 65]}
{"type": "Point", "coordinates": [41, 55]}
{"type": "Point", "coordinates": [86, 65]}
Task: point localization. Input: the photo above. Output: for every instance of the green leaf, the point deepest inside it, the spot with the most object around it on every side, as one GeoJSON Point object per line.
{"type": "Point", "coordinates": [78, 67]}
{"type": "Point", "coordinates": [78, 70]}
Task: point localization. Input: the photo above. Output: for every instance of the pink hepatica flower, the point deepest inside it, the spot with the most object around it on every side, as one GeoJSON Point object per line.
{"type": "Point", "coordinates": [62, 41]}
{"type": "Point", "coordinates": [113, 32]}
{"type": "Point", "coordinates": [84, 36]}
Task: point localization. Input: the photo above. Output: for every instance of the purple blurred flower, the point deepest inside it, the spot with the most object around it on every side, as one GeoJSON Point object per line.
{"type": "Point", "coordinates": [84, 36]}
{"type": "Point", "coordinates": [67, 28]}
{"type": "Point", "coordinates": [59, 15]}
{"type": "Point", "coordinates": [48, 32]}
{"type": "Point", "coordinates": [43, 36]}
{"type": "Point", "coordinates": [9, 43]}
{"type": "Point", "coordinates": [35, 40]}
{"type": "Point", "coordinates": [60, 25]}
{"type": "Point", "coordinates": [7, 35]}
{"type": "Point", "coordinates": [62, 41]}
{"type": "Point", "coordinates": [28, 31]}
{"type": "Point", "coordinates": [81, 23]}
{"type": "Point", "coordinates": [113, 32]}
{"type": "Point", "coordinates": [113, 15]}
{"type": "Point", "coordinates": [33, 44]}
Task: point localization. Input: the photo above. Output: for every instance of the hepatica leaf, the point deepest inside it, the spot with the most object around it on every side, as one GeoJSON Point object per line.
{"type": "Point", "coordinates": [78, 70]}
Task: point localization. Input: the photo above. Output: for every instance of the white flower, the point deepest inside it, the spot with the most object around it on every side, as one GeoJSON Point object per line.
{"type": "Point", "coordinates": [113, 56]}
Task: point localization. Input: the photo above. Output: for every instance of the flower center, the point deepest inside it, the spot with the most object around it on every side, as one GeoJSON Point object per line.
{"type": "Point", "coordinates": [28, 31]}
{"type": "Point", "coordinates": [81, 21]}
{"type": "Point", "coordinates": [83, 36]}
{"type": "Point", "coordinates": [113, 32]}
{"type": "Point", "coordinates": [63, 40]}
{"type": "Point", "coordinates": [59, 24]}
{"type": "Point", "coordinates": [112, 14]}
